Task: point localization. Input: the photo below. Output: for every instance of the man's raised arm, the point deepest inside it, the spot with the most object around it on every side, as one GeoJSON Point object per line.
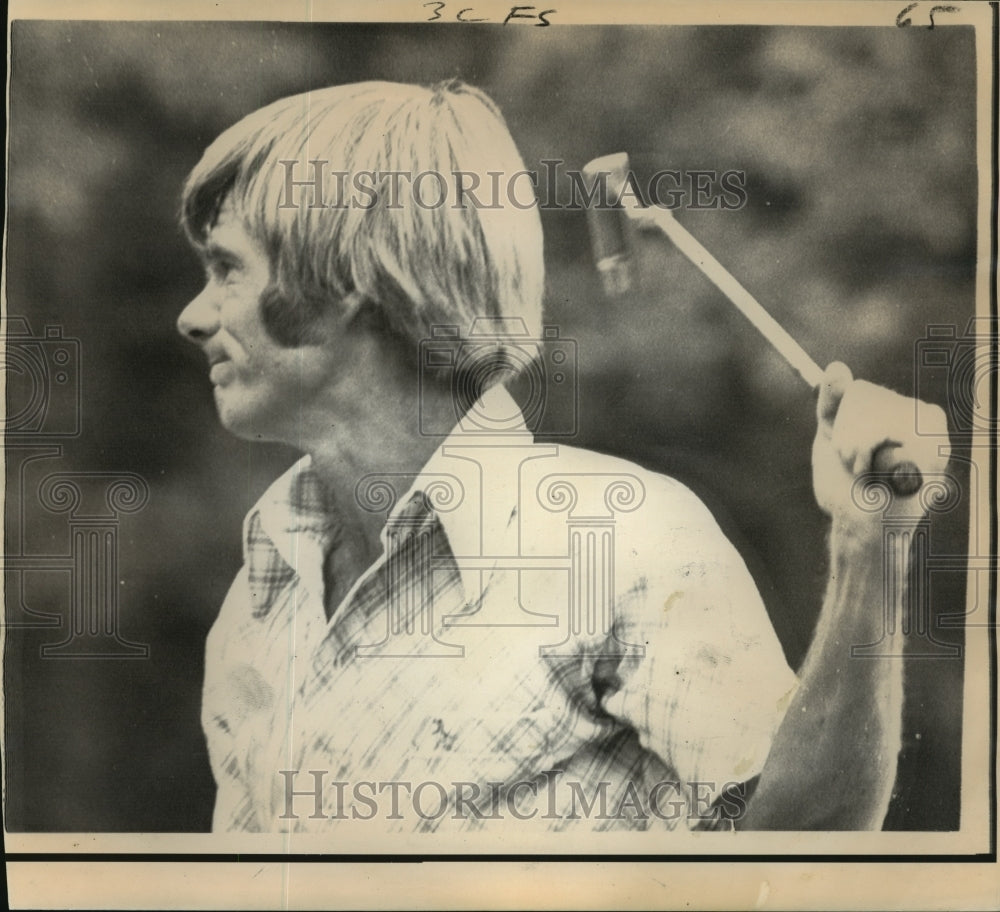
{"type": "Point", "coordinates": [833, 761]}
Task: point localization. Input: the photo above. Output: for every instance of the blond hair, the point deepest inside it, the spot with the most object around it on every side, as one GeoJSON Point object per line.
{"type": "Point", "coordinates": [419, 266]}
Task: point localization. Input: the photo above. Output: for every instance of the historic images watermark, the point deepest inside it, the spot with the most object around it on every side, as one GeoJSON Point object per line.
{"type": "Point", "coordinates": [44, 410]}
{"type": "Point", "coordinates": [322, 186]}
{"type": "Point", "coordinates": [467, 361]}
{"type": "Point", "coordinates": [548, 797]}
{"type": "Point", "coordinates": [962, 361]}
{"type": "Point", "coordinates": [488, 452]}
{"type": "Point", "coordinates": [470, 360]}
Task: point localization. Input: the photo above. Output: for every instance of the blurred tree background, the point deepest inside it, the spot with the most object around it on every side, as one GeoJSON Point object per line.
{"type": "Point", "coordinates": [859, 231]}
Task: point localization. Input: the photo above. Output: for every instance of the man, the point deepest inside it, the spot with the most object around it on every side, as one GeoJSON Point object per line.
{"type": "Point", "coordinates": [441, 623]}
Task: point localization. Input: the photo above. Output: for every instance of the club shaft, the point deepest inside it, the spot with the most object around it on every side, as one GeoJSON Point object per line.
{"type": "Point", "coordinates": [904, 478]}
{"type": "Point", "coordinates": [747, 304]}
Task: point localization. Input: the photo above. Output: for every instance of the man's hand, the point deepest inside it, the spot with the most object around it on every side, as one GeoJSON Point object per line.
{"type": "Point", "coordinates": [855, 421]}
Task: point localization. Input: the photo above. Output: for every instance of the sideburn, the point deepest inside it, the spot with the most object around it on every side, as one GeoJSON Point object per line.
{"type": "Point", "coordinates": [291, 323]}
{"type": "Point", "coordinates": [294, 322]}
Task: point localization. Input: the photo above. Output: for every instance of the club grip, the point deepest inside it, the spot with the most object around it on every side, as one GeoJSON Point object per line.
{"type": "Point", "coordinates": [904, 478]}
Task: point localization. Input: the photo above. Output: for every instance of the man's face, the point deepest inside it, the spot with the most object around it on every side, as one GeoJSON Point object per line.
{"type": "Point", "coordinates": [263, 391]}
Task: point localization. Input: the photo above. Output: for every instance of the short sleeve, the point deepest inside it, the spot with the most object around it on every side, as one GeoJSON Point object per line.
{"type": "Point", "coordinates": [712, 684]}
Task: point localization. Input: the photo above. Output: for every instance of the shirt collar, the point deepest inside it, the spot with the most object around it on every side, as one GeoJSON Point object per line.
{"type": "Point", "coordinates": [297, 517]}
{"type": "Point", "coordinates": [451, 479]}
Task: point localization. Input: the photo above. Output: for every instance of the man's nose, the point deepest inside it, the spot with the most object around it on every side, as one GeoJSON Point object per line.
{"type": "Point", "coordinates": [200, 319]}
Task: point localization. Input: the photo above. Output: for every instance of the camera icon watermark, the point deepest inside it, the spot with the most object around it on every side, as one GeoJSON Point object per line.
{"type": "Point", "coordinates": [42, 373]}
{"type": "Point", "coordinates": [493, 351]}
{"type": "Point", "coordinates": [964, 364]}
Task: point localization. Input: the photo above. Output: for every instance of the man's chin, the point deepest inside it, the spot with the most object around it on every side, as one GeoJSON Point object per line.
{"type": "Point", "coordinates": [239, 422]}
{"type": "Point", "coordinates": [236, 428]}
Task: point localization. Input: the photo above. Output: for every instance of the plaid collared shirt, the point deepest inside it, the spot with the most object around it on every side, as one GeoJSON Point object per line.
{"type": "Point", "coordinates": [549, 633]}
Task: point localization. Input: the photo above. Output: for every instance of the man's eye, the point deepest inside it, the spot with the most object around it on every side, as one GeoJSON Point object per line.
{"type": "Point", "coordinates": [221, 270]}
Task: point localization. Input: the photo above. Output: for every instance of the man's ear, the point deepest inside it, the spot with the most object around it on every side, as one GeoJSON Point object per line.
{"type": "Point", "coordinates": [340, 316]}
{"type": "Point", "coordinates": [351, 307]}
{"type": "Point", "coordinates": [365, 316]}
{"type": "Point", "coordinates": [361, 314]}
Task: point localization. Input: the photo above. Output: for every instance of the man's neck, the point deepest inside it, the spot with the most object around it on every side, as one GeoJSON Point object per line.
{"type": "Point", "coordinates": [380, 436]}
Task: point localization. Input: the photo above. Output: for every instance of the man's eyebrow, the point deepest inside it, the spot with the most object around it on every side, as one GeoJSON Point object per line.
{"type": "Point", "coordinates": [212, 251]}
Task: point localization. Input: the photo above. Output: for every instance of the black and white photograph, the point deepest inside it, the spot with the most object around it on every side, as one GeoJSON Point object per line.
{"type": "Point", "coordinates": [510, 438]}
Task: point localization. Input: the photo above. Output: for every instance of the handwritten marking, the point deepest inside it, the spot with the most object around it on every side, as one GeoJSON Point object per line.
{"type": "Point", "coordinates": [539, 18]}
{"type": "Point", "coordinates": [903, 19]}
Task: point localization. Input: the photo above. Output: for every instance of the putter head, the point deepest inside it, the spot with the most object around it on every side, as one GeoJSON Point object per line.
{"type": "Point", "coordinates": [609, 228]}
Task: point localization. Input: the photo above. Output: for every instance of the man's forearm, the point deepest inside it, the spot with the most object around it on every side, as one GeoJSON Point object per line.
{"type": "Point", "coordinates": [833, 761]}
